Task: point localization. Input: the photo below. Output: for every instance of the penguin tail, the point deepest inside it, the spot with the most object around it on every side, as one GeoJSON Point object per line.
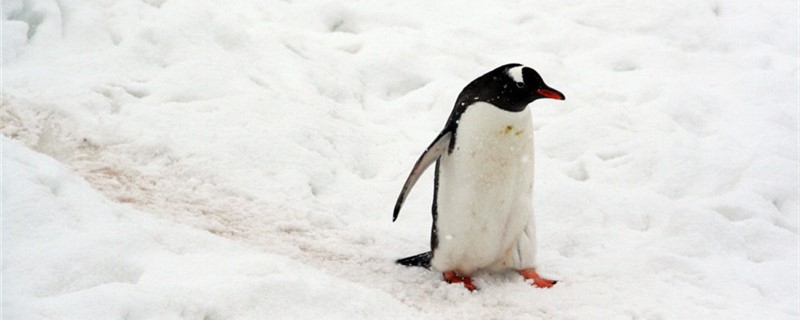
{"type": "Point", "coordinates": [420, 260]}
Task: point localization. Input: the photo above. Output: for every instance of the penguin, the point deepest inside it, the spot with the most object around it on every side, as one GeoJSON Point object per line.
{"type": "Point", "coordinates": [483, 183]}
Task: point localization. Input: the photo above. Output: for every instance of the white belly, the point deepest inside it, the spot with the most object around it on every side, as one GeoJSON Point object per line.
{"type": "Point", "coordinates": [485, 193]}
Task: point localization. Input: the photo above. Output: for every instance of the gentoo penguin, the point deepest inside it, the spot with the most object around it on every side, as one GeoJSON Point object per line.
{"type": "Point", "coordinates": [483, 186]}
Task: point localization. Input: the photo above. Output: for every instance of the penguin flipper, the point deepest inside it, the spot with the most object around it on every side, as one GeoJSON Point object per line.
{"type": "Point", "coordinates": [420, 260]}
{"type": "Point", "coordinates": [431, 154]}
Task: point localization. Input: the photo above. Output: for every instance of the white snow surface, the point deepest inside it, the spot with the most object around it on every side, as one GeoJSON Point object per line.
{"type": "Point", "coordinates": [207, 159]}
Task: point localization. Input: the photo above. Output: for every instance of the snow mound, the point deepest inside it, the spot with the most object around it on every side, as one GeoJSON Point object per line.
{"type": "Point", "coordinates": [70, 253]}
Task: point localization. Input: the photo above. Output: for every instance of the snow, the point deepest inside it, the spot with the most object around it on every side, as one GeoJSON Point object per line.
{"type": "Point", "coordinates": [180, 159]}
{"type": "Point", "coordinates": [71, 253]}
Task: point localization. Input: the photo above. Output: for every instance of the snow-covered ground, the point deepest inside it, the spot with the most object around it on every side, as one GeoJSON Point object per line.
{"type": "Point", "coordinates": [199, 159]}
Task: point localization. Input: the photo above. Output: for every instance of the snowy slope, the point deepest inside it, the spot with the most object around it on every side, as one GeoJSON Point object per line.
{"type": "Point", "coordinates": [70, 253]}
{"type": "Point", "coordinates": [666, 188]}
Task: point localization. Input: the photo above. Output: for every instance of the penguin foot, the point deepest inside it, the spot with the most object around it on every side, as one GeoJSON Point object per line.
{"type": "Point", "coordinates": [538, 281]}
{"type": "Point", "coordinates": [452, 277]}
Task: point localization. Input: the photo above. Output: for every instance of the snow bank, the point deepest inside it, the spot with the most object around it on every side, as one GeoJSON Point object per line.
{"type": "Point", "coordinates": [68, 253]}
{"type": "Point", "coordinates": [667, 183]}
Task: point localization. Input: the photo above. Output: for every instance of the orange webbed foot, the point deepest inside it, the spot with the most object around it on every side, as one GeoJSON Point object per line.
{"type": "Point", "coordinates": [452, 277]}
{"type": "Point", "coordinates": [538, 281]}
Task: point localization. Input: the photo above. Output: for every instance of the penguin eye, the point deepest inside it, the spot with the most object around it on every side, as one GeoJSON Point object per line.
{"type": "Point", "coordinates": [520, 85]}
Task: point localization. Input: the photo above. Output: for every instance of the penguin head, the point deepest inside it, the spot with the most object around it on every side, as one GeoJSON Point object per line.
{"type": "Point", "coordinates": [510, 87]}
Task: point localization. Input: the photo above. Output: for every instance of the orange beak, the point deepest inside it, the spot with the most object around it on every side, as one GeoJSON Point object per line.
{"type": "Point", "coordinates": [550, 93]}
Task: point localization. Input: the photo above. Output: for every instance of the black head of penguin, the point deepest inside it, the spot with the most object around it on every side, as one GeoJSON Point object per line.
{"type": "Point", "coordinates": [510, 87]}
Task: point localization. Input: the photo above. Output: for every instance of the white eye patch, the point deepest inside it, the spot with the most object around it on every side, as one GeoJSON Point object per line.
{"type": "Point", "coordinates": [516, 74]}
